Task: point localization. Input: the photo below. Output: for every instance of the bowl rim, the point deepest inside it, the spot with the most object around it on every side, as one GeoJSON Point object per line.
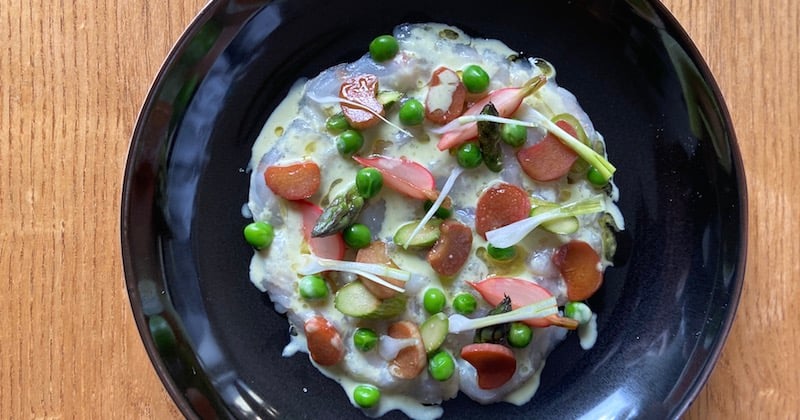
{"type": "Point", "coordinates": [205, 14]}
{"type": "Point", "coordinates": [213, 7]}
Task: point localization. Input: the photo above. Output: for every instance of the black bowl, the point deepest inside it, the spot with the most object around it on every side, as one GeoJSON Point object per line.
{"type": "Point", "coordinates": [664, 310]}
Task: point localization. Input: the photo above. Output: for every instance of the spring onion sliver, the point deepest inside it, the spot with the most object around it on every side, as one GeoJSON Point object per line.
{"type": "Point", "coordinates": [510, 234]}
{"type": "Point", "coordinates": [541, 309]}
{"type": "Point", "coordinates": [448, 185]}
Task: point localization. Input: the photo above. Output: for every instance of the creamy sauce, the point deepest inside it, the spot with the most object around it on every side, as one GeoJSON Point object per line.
{"type": "Point", "coordinates": [296, 131]}
{"type": "Point", "coordinates": [587, 333]}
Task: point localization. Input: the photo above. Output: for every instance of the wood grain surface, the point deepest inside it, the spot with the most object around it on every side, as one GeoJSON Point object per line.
{"type": "Point", "coordinates": [73, 75]}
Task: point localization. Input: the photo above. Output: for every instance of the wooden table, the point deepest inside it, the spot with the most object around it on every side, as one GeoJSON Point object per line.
{"type": "Point", "coordinates": [72, 78]}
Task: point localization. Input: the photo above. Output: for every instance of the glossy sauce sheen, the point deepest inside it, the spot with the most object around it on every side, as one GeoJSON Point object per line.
{"type": "Point", "coordinates": [296, 132]}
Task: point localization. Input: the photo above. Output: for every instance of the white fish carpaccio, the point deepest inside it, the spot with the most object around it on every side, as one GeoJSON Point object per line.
{"type": "Point", "coordinates": [296, 131]}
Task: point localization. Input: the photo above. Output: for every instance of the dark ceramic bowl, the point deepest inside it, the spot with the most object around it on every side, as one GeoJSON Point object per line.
{"type": "Point", "coordinates": [664, 310]}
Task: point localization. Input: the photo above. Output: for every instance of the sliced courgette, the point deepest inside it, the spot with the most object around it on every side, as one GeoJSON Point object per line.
{"type": "Point", "coordinates": [561, 226]}
{"type": "Point", "coordinates": [427, 236]}
{"type": "Point", "coordinates": [434, 330]}
{"type": "Point", "coordinates": [355, 300]}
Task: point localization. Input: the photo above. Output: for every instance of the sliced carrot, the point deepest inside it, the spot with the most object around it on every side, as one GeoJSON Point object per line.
{"type": "Point", "coordinates": [446, 95]}
{"type": "Point", "coordinates": [411, 360]}
{"type": "Point", "coordinates": [452, 249]}
{"type": "Point", "coordinates": [331, 246]}
{"type": "Point", "coordinates": [548, 159]}
{"type": "Point", "coordinates": [296, 181]}
{"type": "Point", "coordinates": [403, 175]}
{"type": "Point", "coordinates": [494, 363]}
{"type": "Point", "coordinates": [324, 342]}
{"type": "Point", "coordinates": [361, 89]}
{"type": "Point", "coordinates": [376, 253]}
{"type": "Point", "coordinates": [579, 264]}
{"type": "Point", "coordinates": [500, 205]}
{"type": "Point", "coordinates": [522, 293]}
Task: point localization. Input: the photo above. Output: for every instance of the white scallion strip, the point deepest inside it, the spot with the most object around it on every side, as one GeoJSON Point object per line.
{"type": "Point", "coordinates": [336, 100]}
{"type": "Point", "coordinates": [448, 185]}
{"type": "Point", "coordinates": [509, 235]}
{"type": "Point", "coordinates": [541, 309]}
{"type": "Point", "coordinates": [314, 265]}
{"type": "Point", "coordinates": [595, 159]}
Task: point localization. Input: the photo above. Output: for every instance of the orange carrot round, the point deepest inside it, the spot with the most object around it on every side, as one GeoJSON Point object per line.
{"type": "Point", "coordinates": [549, 159]}
{"type": "Point", "coordinates": [446, 96]}
{"type": "Point", "coordinates": [324, 342]}
{"type": "Point", "coordinates": [363, 90]}
{"type": "Point", "coordinates": [411, 360]}
{"type": "Point", "coordinates": [296, 181]}
{"type": "Point", "coordinates": [494, 363]}
{"type": "Point", "coordinates": [579, 264]}
{"type": "Point", "coordinates": [500, 205]}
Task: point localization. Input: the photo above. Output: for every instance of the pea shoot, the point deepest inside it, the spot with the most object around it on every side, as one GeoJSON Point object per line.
{"type": "Point", "coordinates": [441, 366]}
{"type": "Point", "coordinates": [349, 142]}
{"type": "Point", "coordinates": [383, 48]}
{"type": "Point", "coordinates": [469, 155]}
{"type": "Point", "coordinates": [357, 236]}
{"type": "Point", "coordinates": [519, 335]}
{"type": "Point", "coordinates": [369, 182]}
{"type": "Point", "coordinates": [366, 396]}
{"type": "Point", "coordinates": [465, 303]}
{"type": "Point", "coordinates": [259, 234]}
{"type": "Point", "coordinates": [365, 339]}
{"type": "Point", "coordinates": [412, 112]}
{"type": "Point", "coordinates": [475, 78]}
{"type": "Point", "coordinates": [313, 287]}
{"type": "Point", "coordinates": [513, 135]}
{"type": "Point", "coordinates": [433, 300]}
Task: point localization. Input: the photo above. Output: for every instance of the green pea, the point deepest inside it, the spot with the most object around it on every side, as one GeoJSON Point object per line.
{"type": "Point", "coordinates": [441, 366]}
{"type": "Point", "coordinates": [412, 112]}
{"type": "Point", "coordinates": [366, 396]}
{"type": "Point", "coordinates": [365, 339]}
{"type": "Point", "coordinates": [578, 311]}
{"type": "Point", "coordinates": [313, 287]}
{"type": "Point", "coordinates": [433, 300]}
{"type": "Point", "coordinates": [595, 177]}
{"type": "Point", "coordinates": [519, 335]}
{"type": "Point", "coordinates": [369, 182]}
{"type": "Point", "coordinates": [383, 48]}
{"type": "Point", "coordinates": [442, 212]}
{"type": "Point", "coordinates": [349, 142]}
{"type": "Point", "coordinates": [259, 234]}
{"type": "Point", "coordinates": [337, 123]}
{"type": "Point", "coordinates": [469, 155]}
{"type": "Point", "coordinates": [475, 78]}
{"type": "Point", "coordinates": [513, 135]}
{"type": "Point", "coordinates": [465, 303]}
{"type": "Point", "coordinates": [501, 254]}
{"type": "Point", "coordinates": [357, 236]}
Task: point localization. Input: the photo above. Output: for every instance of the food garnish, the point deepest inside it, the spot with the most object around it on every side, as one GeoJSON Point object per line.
{"type": "Point", "coordinates": [396, 204]}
